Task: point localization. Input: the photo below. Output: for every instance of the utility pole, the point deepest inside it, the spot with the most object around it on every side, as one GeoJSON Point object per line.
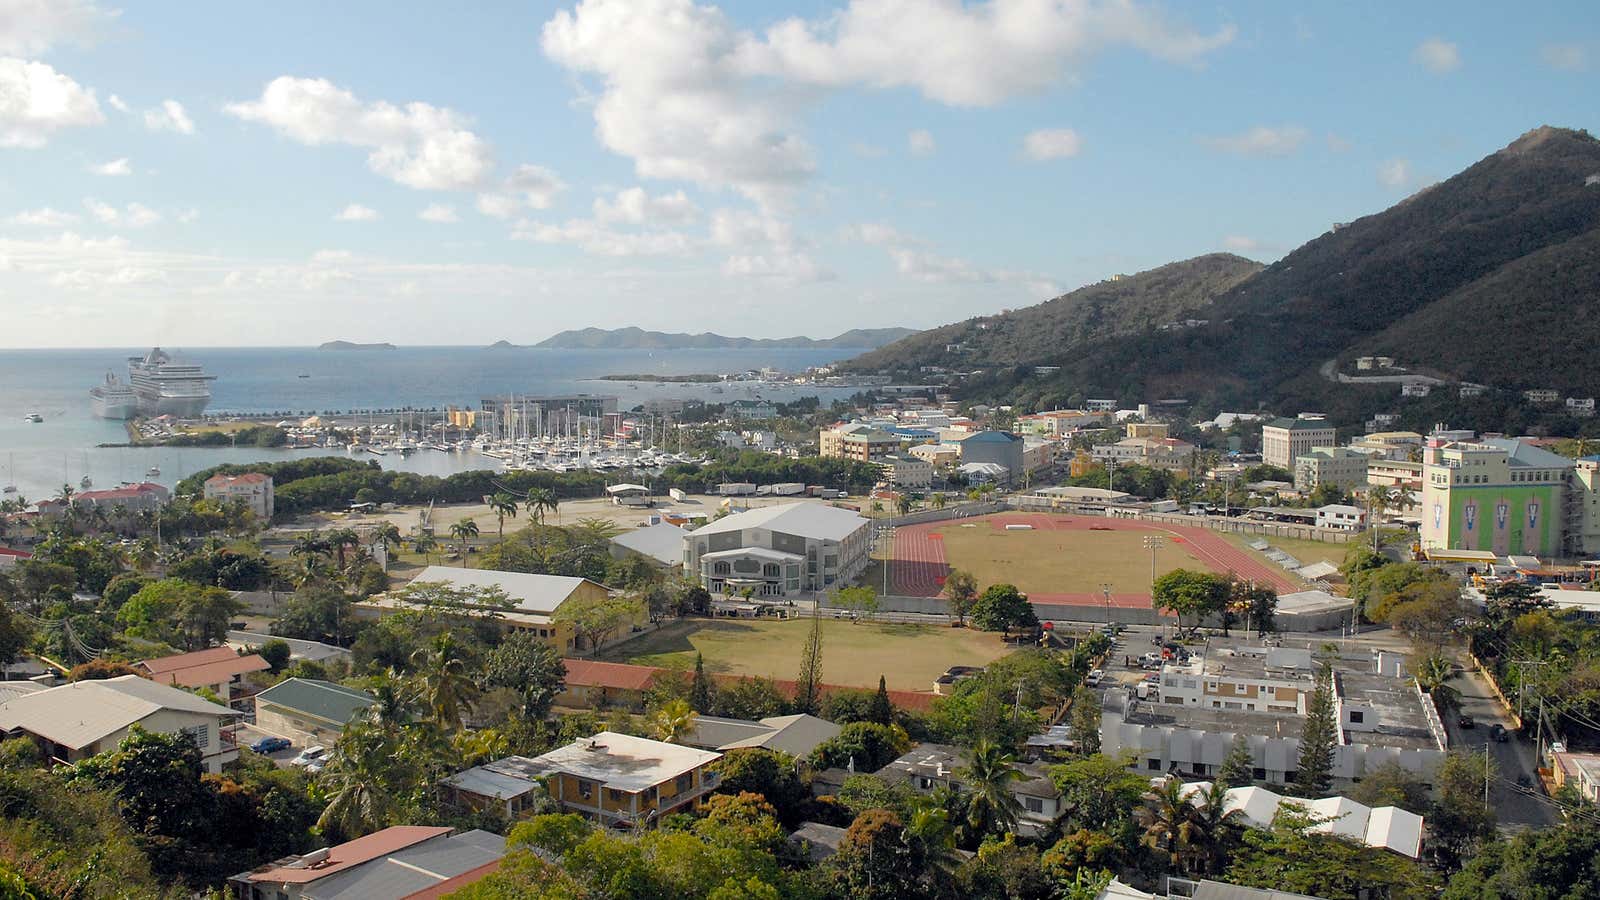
{"type": "Point", "coordinates": [1105, 591]}
{"type": "Point", "coordinates": [1154, 542]}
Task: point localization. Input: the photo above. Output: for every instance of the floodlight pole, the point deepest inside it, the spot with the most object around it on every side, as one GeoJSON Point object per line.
{"type": "Point", "coordinates": [1153, 542]}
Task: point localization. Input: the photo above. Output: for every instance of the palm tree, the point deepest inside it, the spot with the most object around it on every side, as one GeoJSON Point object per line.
{"type": "Point", "coordinates": [539, 502]}
{"type": "Point", "coordinates": [65, 494]}
{"type": "Point", "coordinates": [312, 543]}
{"type": "Point", "coordinates": [1212, 827]}
{"type": "Point", "coordinates": [387, 534]}
{"type": "Point", "coordinates": [447, 686]}
{"type": "Point", "coordinates": [357, 804]}
{"type": "Point", "coordinates": [672, 721]}
{"type": "Point", "coordinates": [311, 570]}
{"type": "Point", "coordinates": [464, 530]}
{"type": "Point", "coordinates": [393, 703]}
{"type": "Point", "coordinates": [425, 544]}
{"type": "Point", "coordinates": [1378, 500]}
{"type": "Point", "coordinates": [939, 500]}
{"type": "Point", "coordinates": [988, 776]}
{"type": "Point", "coordinates": [340, 541]}
{"type": "Point", "coordinates": [929, 822]}
{"type": "Point", "coordinates": [502, 505]}
{"type": "Point", "coordinates": [1166, 817]}
{"type": "Point", "coordinates": [903, 503]}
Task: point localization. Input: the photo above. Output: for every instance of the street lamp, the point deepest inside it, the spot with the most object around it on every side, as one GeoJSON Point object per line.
{"type": "Point", "coordinates": [1105, 591]}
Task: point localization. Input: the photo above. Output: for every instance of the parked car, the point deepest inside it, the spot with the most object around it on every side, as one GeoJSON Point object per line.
{"type": "Point", "coordinates": [309, 755]}
{"type": "Point", "coordinates": [1465, 721]}
{"type": "Point", "coordinates": [1499, 733]}
{"type": "Point", "coordinates": [270, 744]}
{"type": "Point", "coordinates": [1095, 677]}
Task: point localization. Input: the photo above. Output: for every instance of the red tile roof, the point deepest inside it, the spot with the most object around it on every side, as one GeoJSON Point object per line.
{"type": "Point", "coordinates": [201, 667]}
{"type": "Point", "coordinates": [354, 853]}
{"type": "Point", "coordinates": [620, 676]}
{"type": "Point", "coordinates": [246, 478]}
{"type": "Point", "coordinates": [19, 554]}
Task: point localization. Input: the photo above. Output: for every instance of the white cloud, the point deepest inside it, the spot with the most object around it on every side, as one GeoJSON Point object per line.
{"type": "Point", "coordinates": [114, 167]}
{"type": "Point", "coordinates": [636, 207]}
{"type": "Point", "coordinates": [134, 215]}
{"type": "Point", "coordinates": [875, 233]}
{"type": "Point", "coordinates": [117, 103]}
{"type": "Point", "coordinates": [36, 101]}
{"type": "Point", "coordinates": [529, 187]}
{"type": "Point", "coordinates": [418, 145]}
{"type": "Point", "coordinates": [1051, 143]}
{"type": "Point", "coordinates": [933, 268]}
{"type": "Point", "coordinates": [169, 116]}
{"type": "Point", "coordinates": [1566, 57]}
{"type": "Point", "coordinates": [687, 95]}
{"type": "Point", "coordinates": [797, 268]}
{"type": "Point", "coordinates": [45, 217]}
{"type": "Point", "coordinates": [921, 142]}
{"type": "Point", "coordinates": [1437, 55]}
{"type": "Point", "coordinates": [32, 27]}
{"type": "Point", "coordinates": [1261, 140]}
{"type": "Point", "coordinates": [1395, 172]}
{"type": "Point", "coordinates": [355, 212]}
{"type": "Point", "coordinates": [1240, 244]}
{"type": "Point", "coordinates": [968, 55]}
{"type": "Point", "coordinates": [595, 238]}
{"type": "Point", "coordinates": [439, 213]}
{"type": "Point", "coordinates": [332, 256]}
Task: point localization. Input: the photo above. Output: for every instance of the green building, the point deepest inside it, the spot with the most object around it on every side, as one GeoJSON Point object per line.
{"type": "Point", "coordinates": [1498, 494]}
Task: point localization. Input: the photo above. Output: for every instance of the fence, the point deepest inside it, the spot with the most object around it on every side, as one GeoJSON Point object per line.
{"type": "Point", "coordinates": [958, 511]}
{"type": "Point", "coordinates": [1249, 526]}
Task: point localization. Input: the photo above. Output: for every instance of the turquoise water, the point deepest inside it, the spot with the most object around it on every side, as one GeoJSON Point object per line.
{"type": "Point", "coordinates": [255, 381]}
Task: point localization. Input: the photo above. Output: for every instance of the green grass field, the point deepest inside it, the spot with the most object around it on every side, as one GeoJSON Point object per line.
{"type": "Point", "coordinates": [1048, 561]}
{"type": "Point", "coordinates": [908, 656]}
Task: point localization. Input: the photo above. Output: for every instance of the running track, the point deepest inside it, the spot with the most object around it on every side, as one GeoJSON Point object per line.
{"type": "Point", "coordinates": [919, 567]}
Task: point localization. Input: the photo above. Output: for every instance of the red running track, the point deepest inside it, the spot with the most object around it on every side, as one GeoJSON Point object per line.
{"type": "Point", "coordinates": [919, 566]}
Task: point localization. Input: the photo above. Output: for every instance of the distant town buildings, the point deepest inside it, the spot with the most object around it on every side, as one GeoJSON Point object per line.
{"type": "Point", "coordinates": [253, 489]}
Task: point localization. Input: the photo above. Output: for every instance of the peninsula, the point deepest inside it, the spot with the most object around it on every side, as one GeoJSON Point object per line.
{"type": "Point", "coordinates": [639, 339]}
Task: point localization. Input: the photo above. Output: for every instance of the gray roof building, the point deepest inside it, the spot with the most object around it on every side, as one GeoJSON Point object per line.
{"type": "Point", "coordinates": [324, 700]}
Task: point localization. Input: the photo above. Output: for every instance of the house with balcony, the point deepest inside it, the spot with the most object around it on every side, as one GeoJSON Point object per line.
{"type": "Point", "coordinates": [614, 779]}
{"type": "Point", "coordinates": [72, 722]}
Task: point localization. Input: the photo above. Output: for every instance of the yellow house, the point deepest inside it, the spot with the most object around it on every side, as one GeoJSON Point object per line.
{"type": "Point", "coordinates": [531, 600]}
{"type": "Point", "coordinates": [615, 779]}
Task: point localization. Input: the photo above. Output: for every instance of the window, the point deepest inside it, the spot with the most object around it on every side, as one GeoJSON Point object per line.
{"type": "Point", "coordinates": [201, 735]}
{"type": "Point", "coordinates": [1357, 716]}
{"type": "Point", "coordinates": [771, 570]}
{"type": "Point", "coordinates": [1033, 804]}
{"type": "Point", "coordinates": [721, 568]}
{"type": "Point", "coordinates": [1153, 764]}
{"type": "Point", "coordinates": [586, 789]}
{"type": "Point", "coordinates": [1258, 774]}
{"type": "Point", "coordinates": [684, 782]}
{"type": "Point", "coordinates": [614, 795]}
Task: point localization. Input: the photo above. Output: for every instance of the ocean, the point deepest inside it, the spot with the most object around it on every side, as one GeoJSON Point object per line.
{"type": "Point", "coordinates": [39, 458]}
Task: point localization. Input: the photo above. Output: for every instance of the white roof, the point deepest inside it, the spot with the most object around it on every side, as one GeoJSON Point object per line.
{"type": "Point", "coordinates": [1385, 827]}
{"type": "Point", "coordinates": [625, 762]}
{"type": "Point", "coordinates": [662, 541]}
{"type": "Point", "coordinates": [810, 520]}
{"type": "Point", "coordinates": [1320, 569]}
{"type": "Point", "coordinates": [755, 552]}
{"type": "Point", "coordinates": [78, 714]}
{"type": "Point", "coordinates": [627, 489]}
{"type": "Point", "coordinates": [1311, 601]}
{"type": "Point", "coordinates": [530, 593]}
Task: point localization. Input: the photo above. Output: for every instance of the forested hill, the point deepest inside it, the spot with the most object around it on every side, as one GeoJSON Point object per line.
{"type": "Point", "coordinates": [639, 339]}
{"type": "Point", "coordinates": [1045, 333]}
{"type": "Point", "coordinates": [1489, 276]}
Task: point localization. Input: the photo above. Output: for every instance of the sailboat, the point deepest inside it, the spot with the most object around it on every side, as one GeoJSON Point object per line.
{"type": "Point", "coordinates": [11, 484]}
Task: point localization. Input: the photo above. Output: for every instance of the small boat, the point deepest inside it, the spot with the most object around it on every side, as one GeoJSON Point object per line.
{"type": "Point", "coordinates": [304, 375]}
{"type": "Point", "coordinates": [8, 489]}
{"type": "Point", "coordinates": [85, 482]}
{"type": "Point", "coordinates": [153, 471]}
{"type": "Point", "coordinates": [33, 417]}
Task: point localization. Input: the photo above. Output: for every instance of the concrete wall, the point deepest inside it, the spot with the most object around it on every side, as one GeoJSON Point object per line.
{"type": "Point", "coordinates": [1246, 526]}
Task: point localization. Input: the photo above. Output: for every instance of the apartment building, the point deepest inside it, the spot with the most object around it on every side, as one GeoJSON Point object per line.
{"type": "Point", "coordinates": [1339, 467]}
{"type": "Point", "coordinates": [253, 489]}
{"type": "Point", "coordinates": [906, 471]}
{"type": "Point", "coordinates": [856, 441]}
{"type": "Point", "coordinates": [1282, 440]}
{"type": "Point", "coordinates": [1507, 496]}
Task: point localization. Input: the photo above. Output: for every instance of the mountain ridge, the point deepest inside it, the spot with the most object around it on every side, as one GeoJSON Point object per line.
{"type": "Point", "coordinates": [634, 338]}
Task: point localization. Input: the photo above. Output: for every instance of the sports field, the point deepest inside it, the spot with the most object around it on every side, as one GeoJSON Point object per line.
{"type": "Point", "coordinates": [910, 657]}
{"type": "Point", "coordinates": [1065, 559]}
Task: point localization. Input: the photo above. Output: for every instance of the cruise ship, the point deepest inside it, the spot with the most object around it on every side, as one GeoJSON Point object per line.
{"type": "Point", "coordinates": [166, 388]}
{"type": "Point", "coordinates": [114, 399]}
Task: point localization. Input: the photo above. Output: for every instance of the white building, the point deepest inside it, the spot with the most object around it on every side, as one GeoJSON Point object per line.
{"type": "Point", "coordinates": [1339, 467]}
{"type": "Point", "coordinates": [1282, 440]}
{"type": "Point", "coordinates": [75, 721]}
{"type": "Point", "coordinates": [779, 550]}
{"type": "Point", "coordinates": [253, 489]}
{"type": "Point", "coordinates": [1341, 516]}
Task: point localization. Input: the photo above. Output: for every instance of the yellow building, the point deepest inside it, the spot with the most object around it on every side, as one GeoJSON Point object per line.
{"type": "Point", "coordinates": [611, 778]}
{"type": "Point", "coordinates": [531, 601]}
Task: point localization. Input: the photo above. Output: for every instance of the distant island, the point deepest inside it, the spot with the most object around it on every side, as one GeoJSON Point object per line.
{"type": "Point", "coordinates": [348, 345]}
{"type": "Point", "coordinates": [639, 339]}
{"type": "Point", "coordinates": [701, 378]}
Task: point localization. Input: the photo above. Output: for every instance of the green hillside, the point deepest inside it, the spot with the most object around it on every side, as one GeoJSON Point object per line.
{"type": "Point", "coordinates": [1039, 335]}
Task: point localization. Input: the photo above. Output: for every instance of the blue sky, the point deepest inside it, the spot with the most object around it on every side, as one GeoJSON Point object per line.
{"type": "Point", "coordinates": [211, 174]}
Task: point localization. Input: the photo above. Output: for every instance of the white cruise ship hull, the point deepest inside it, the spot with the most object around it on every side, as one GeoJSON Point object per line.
{"type": "Point", "coordinates": [114, 407]}
{"type": "Point", "coordinates": [178, 407]}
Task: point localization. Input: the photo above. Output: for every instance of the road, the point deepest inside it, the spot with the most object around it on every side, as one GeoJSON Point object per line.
{"type": "Point", "coordinates": [1515, 806]}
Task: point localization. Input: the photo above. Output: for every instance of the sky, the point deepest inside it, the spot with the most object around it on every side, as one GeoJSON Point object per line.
{"type": "Point", "coordinates": [293, 172]}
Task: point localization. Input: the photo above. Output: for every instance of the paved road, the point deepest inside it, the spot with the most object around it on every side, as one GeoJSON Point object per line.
{"type": "Point", "coordinates": [1514, 805]}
